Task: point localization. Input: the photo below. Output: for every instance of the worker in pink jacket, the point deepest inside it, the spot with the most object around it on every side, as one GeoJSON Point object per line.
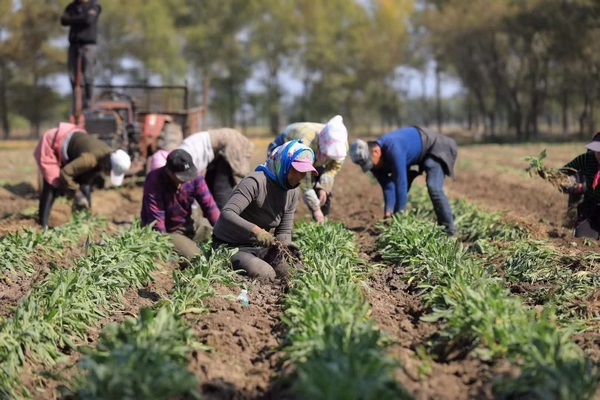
{"type": "Point", "coordinates": [69, 160]}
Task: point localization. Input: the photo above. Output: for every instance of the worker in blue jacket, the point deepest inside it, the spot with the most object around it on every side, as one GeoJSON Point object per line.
{"type": "Point", "coordinates": [391, 157]}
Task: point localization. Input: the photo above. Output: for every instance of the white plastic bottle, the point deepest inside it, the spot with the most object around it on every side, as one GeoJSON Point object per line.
{"type": "Point", "coordinates": [243, 297]}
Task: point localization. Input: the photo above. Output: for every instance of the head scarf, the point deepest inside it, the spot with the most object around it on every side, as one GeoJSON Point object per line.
{"type": "Point", "coordinates": [279, 162]}
{"type": "Point", "coordinates": [333, 140]}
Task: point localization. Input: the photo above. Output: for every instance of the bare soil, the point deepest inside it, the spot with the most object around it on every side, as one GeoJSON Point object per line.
{"type": "Point", "coordinates": [244, 361]}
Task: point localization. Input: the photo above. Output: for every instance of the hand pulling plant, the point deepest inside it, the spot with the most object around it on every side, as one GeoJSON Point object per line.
{"type": "Point", "coordinates": [558, 177]}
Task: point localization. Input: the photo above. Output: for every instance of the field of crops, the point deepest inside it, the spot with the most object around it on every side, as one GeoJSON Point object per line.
{"type": "Point", "coordinates": [99, 308]}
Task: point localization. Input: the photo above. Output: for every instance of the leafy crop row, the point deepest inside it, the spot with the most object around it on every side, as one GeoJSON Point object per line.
{"type": "Point", "coordinates": [147, 357]}
{"type": "Point", "coordinates": [143, 358]}
{"type": "Point", "coordinates": [563, 280]}
{"type": "Point", "coordinates": [472, 223]}
{"type": "Point", "coordinates": [17, 247]}
{"type": "Point", "coordinates": [336, 350]}
{"type": "Point", "coordinates": [479, 313]}
{"type": "Point", "coordinates": [61, 308]}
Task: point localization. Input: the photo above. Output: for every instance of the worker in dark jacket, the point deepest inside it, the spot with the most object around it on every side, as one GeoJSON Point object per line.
{"type": "Point", "coordinates": [69, 160]}
{"type": "Point", "coordinates": [584, 190]}
{"type": "Point", "coordinates": [391, 157]}
{"type": "Point", "coordinates": [82, 17]}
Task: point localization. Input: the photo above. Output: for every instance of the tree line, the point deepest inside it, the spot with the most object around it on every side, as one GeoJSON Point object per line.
{"type": "Point", "coordinates": [524, 65]}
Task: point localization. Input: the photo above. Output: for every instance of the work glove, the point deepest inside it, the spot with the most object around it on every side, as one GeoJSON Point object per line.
{"type": "Point", "coordinates": [81, 202]}
{"type": "Point", "coordinates": [318, 215]}
{"type": "Point", "coordinates": [295, 250]}
{"type": "Point", "coordinates": [265, 239]}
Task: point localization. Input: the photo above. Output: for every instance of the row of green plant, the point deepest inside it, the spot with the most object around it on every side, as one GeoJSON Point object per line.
{"type": "Point", "coordinates": [17, 247]}
{"type": "Point", "coordinates": [566, 281]}
{"type": "Point", "coordinates": [563, 280]}
{"type": "Point", "coordinates": [471, 223]}
{"type": "Point", "coordinates": [481, 315]}
{"type": "Point", "coordinates": [147, 357]}
{"type": "Point", "coordinates": [59, 310]}
{"type": "Point", "coordinates": [336, 350]}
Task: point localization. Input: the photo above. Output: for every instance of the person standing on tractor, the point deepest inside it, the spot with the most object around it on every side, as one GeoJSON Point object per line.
{"type": "Point", "coordinates": [225, 155]}
{"type": "Point", "coordinates": [82, 18]}
{"type": "Point", "coordinates": [330, 145]}
{"type": "Point", "coordinates": [265, 201]}
{"type": "Point", "coordinates": [69, 160]}
{"type": "Point", "coordinates": [391, 157]}
{"type": "Point", "coordinates": [169, 193]}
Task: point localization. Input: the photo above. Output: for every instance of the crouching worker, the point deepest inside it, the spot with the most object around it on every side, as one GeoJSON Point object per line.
{"type": "Point", "coordinates": [586, 166]}
{"type": "Point", "coordinates": [391, 157]}
{"type": "Point", "coordinates": [265, 200]}
{"type": "Point", "coordinates": [69, 160]}
{"type": "Point", "coordinates": [169, 193]}
{"type": "Point", "coordinates": [329, 142]}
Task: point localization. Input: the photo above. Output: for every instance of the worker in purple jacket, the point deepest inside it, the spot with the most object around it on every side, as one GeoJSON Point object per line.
{"type": "Point", "coordinates": [169, 193]}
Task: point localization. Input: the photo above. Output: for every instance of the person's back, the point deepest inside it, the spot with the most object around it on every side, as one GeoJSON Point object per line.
{"type": "Point", "coordinates": [403, 142]}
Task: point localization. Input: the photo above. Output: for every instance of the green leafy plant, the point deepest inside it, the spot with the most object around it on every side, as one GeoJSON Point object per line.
{"type": "Point", "coordinates": [143, 358]}
{"type": "Point", "coordinates": [556, 176]}
{"type": "Point", "coordinates": [478, 311]}
{"type": "Point", "coordinates": [335, 349]}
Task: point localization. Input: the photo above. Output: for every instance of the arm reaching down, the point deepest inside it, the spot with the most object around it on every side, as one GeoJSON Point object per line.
{"type": "Point", "coordinates": [284, 231]}
{"type": "Point", "coordinates": [86, 162]}
{"type": "Point", "coordinates": [389, 191]}
{"type": "Point", "coordinates": [241, 198]}
{"type": "Point", "coordinates": [206, 201]}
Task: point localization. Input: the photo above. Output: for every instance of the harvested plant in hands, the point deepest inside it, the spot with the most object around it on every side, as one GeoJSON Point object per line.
{"type": "Point", "coordinates": [558, 177]}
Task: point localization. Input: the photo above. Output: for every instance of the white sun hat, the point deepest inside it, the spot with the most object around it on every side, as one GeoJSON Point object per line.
{"type": "Point", "coordinates": [119, 165]}
{"type": "Point", "coordinates": [333, 139]}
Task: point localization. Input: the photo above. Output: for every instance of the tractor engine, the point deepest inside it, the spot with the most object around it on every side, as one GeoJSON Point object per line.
{"type": "Point", "coordinates": [108, 127]}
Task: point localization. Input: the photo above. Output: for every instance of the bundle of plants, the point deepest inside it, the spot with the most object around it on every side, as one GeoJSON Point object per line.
{"type": "Point", "coordinates": [558, 177]}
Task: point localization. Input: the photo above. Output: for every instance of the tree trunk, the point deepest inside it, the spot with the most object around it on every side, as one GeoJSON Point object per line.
{"type": "Point", "coordinates": [584, 114]}
{"type": "Point", "coordinates": [469, 111]}
{"type": "Point", "coordinates": [424, 111]}
{"type": "Point", "coordinates": [438, 97]}
{"type": "Point", "coordinates": [591, 120]}
{"type": "Point", "coordinates": [4, 99]}
{"type": "Point", "coordinates": [564, 103]}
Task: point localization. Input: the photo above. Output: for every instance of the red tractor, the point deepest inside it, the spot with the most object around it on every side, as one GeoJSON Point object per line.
{"type": "Point", "coordinates": [136, 118]}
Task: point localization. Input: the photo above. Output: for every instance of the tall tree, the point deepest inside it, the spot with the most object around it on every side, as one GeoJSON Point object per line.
{"type": "Point", "coordinates": [29, 47]}
{"type": "Point", "coordinates": [5, 73]}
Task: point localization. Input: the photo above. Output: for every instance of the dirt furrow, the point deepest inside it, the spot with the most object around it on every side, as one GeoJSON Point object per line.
{"type": "Point", "coordinates": [242, 362]}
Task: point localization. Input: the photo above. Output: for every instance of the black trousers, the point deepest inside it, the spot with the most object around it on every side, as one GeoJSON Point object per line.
{"type": "Point", "coordinates": [588, 220]}
{"type": "Point", "coordinates": [220, 182]}
{"type": "Point", "coordinates": [87, 54]}
{"type": "Point", "coordinates": [50, 193]}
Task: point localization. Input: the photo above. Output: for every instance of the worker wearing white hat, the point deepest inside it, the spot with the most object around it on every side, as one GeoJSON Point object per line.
{"type": "Point", "coordinates": [330, 145]}
{"type": "Point", "coordinates": [69, 160]}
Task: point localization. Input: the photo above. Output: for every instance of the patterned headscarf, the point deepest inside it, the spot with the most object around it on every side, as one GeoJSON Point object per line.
{"type": "Point", "coordinates": [280, 160]}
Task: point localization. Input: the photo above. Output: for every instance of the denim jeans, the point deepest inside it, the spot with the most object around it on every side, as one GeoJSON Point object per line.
{"type": "Point", "coordinates": [435, 187]}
